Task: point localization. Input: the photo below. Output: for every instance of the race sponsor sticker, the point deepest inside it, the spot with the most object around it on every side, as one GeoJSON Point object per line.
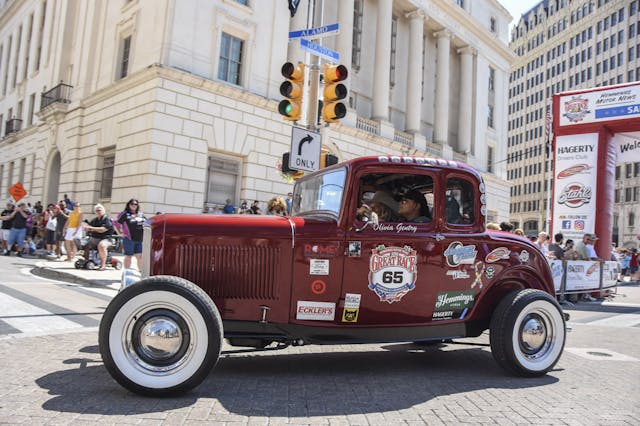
{"type": "Point", "coordinates": [458, 274]}
{"type": "Point", "coordinates": [350, 314]}
{"type": "Point", "coordinates": [318, 287]}
{"type": "Point", "coordinates": [459, 254]}
{"type": "Point", "coordinates": [355, 248]}
{"type": "Point", "coordinates": [318, 267]}
{"type": "Point", "coordinates": [320, 251]}
{"type": "Point", "coordinates": [317, 311]}
{"type": "Point", "coordinates": [490, 271]}
{"type": "Point", "coordinates": [498, 254]}
{"type": "Point", "coordinates": [523, 256]}
{"type": "Point", "coordinates": [392, 272]}
{"type": "Point", "coordinates": [352, 300]}
{"type": "Point", "coordinates": [479, 269]}
{"type": "Point", "coordinates": [453, 304]}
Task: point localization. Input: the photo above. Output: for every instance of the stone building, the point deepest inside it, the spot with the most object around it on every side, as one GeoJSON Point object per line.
{"type": "Point", "coordinates": [175, 102]}
{"type": "Point", "coordinates": [561, 46]}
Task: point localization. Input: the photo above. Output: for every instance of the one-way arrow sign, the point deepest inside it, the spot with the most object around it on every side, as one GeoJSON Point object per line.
{"type": "Point", "coordinates": [305, 150]}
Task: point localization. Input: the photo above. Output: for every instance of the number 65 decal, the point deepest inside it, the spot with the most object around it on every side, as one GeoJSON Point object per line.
{"type": "Point", "coordinates": [395, 277]}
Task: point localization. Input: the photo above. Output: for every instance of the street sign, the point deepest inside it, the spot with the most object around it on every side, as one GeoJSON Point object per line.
{"type": "Point", "coordinates": [312, 33]}
{"type": "Point", "coordinates": [305, 150]}
{"type": "Point", "coordinates": [17, 191]}
{"type": "Point", "coordinates": [316, 49]}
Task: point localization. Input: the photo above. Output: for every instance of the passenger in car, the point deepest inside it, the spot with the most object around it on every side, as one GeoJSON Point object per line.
{"type": "Point", "coordinates": [414, 207]}
{"type": "Point", "coordinates": [385, 207]}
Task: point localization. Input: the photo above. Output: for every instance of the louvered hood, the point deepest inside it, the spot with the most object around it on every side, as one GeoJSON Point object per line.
{"type": "Point", "coordinates": [232, 257]}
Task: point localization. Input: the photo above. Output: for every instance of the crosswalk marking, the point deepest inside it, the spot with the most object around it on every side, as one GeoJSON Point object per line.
{"type": "Point", "coordinates": [620, 320]}
{"type": "Point", "coordinates": [30, 319]}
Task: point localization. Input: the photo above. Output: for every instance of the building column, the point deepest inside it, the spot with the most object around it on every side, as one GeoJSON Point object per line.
{"type": "Point", "coordinates": [441, 121]}
{"type": "Point", "coordinates": [13, 57]}
{"type": "Point", "coordinates": [46, 40]}
{"type": "Point", "coordinates": [414, 78]}
{"type": "Point", "coordinates": [382, 69]}
{"type": "Point", "coordinates": [466, 98]}
{"type": "Point", "coordinates": [23, 50]}
{"type": "Point", "coordinates": [344, 40]}
{"type": "Point", "coordinates": [35, 36]}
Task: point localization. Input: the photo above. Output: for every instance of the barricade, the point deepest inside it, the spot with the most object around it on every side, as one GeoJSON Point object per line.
{"type": "Point", "coordinates": [584, 276]}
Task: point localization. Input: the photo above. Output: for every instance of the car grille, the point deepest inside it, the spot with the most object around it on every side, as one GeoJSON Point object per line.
{"type": "Point", "coordinates": [231, 272]}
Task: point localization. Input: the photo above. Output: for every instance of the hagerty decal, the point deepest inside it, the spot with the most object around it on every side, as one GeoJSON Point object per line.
{"type": "Point", "coordinates": [392, 272]}
{"type": "Point", "coordinates": [457, 274]}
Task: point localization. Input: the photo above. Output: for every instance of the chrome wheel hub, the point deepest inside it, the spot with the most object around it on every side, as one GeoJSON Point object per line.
{"type": "Point", "coordinates": [160, 338]}
{"type": "Point", "coordinates": [536, 335]}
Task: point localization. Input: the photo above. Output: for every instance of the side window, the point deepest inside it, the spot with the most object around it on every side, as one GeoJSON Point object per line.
{"type": "Point", "coordinates": [459, 205]}
{"type": "Point", "coordinates": [396, 198]}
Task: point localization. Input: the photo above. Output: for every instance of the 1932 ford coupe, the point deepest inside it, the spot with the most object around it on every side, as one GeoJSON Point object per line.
{"type": "Point", "coordinates": [378, 249]}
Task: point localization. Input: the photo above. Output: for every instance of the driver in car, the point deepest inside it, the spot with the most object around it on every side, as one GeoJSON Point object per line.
{"type": "Point", "coordinates": [414, 207]}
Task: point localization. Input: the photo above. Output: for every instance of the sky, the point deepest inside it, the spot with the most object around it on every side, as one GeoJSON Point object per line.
{"type": "Point", "coordinates": [518, 7]}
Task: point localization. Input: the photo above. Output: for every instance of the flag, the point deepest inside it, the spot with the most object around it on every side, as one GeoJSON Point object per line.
{"type": "Point", "coordinates": [293, 7]}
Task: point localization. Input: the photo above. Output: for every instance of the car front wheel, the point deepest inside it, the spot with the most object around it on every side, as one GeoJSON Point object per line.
{"type": "Point", "coordinates": [160, 336]}
{"type": "Point", "coordinates": [527, 332]}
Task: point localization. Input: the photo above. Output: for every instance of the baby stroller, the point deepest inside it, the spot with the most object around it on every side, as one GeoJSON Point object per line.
{"type": "Point", "coordinates": [91, 260]}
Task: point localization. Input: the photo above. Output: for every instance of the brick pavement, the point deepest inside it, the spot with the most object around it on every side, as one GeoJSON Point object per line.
{"type": "Point", "coordinates": [59, 379]}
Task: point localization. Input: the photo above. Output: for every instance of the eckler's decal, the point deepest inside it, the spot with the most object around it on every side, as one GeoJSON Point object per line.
{"type": "Point", "coordinates": [458, 274]}
{"type": "Point", "coordinates": [573, 170]}
{"type": "Point", "coordinates": [318, 267]}
{"type": "Point", "coordinates": [355, 248]}
{"type": "Point", "coordinates": [453, 304]}
{"type": "Point", "coordinates": [479, 270]}
{"type": "Point", "coordinates": [523, 256]}
{"type": "Point", "coordinates": [575, 195]}
{"type": "Point", "coordinates": [392, 272]}
{"type": "Point", "coordinates": [320, 251]}
{"type": "Point", "coordinates": [498, 254]}
{"type": "Point", "coordinates": [318, 287]}
{"type": "Point", "coordinates": [350, 315]}
{"type": "Point", "coordinates": [576, 109]}
{"type": "Point", "coordinates": [319, 311]}
{"type": "Point", "coordinates": [400, 227]}
{"type": "Point", "coordinates": [458, 254]}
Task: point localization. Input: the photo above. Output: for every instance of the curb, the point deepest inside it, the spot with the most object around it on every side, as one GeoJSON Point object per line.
{"type": "Point", "coordinates": [52, 274]}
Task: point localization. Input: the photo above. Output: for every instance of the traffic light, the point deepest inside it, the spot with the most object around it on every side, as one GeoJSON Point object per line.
{"type": "Point", "coordinates": [292, 89]}
{"type": "Point", "coordinates": [334, 92]}
{"type": "Point", "coordinates": [295, 174]}
{"type": "Point", "coordinates": [327, 159]}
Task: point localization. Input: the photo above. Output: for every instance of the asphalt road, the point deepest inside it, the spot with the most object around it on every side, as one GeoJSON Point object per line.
{"type": "Point", "coordinates": [52, 373]}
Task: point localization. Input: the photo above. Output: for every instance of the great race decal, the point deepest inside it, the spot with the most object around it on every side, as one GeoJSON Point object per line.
{"type": "Point", "coordinates": [453, 304]}
{"type": "Point", "coordinates": [392, 272]}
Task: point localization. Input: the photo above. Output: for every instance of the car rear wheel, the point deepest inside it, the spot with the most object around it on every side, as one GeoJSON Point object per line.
{"type": "Point", "coordinates": [527, 332]}
{"type": "Point", "coordinates": [160, 336]}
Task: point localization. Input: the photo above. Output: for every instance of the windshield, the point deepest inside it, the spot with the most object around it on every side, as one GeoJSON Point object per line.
{"type": "Point", "coordinates": [323, 192]}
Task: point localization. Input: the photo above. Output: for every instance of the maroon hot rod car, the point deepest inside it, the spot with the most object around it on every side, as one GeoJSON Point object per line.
{"type": "Point", "coordinates": [378, 249]}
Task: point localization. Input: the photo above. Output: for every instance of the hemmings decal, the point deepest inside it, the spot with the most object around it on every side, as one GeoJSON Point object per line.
{"type": "Point", "coordinates": [458, 274]}
{"type": "Point", "coordinates": [458, 254]}
{"type": "Point", "coordinates": [453, 304]}
{"type": "Point", "coordinates": [575, 195]}
{"type": "Point", "coordinates": [400, 227]}
{"type": "Point", "coordinates": [498, 254]}
{"type": "Point", "coordinates": [392, 272]}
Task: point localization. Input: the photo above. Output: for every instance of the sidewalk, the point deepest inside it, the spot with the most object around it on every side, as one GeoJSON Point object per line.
{"type": "Point", "coordinates": [66, 271]}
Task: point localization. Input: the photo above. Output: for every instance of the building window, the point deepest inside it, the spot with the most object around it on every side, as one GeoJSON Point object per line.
{"type": "Point", "coordinates": [125, 52]}
{"type": "Point", "coordinates": [356, 44]}
{"type": "Point", "coordinates": [243, 2]}
{"type": "Point", "coordinates": [230, 59]}
{"type": "Point", "coordinates": [394, 39]}
{"type": "Point", "coordinates": [15, 62]}
{"type": "Point", "coordinates": [632, 219]}
{"type": "Point", "coordinates": [32, 102]}
{"type": "Point", "coordinates": [223, 178]}
{"type": "Point", "coordinates": [492, 24]}
{"type": "Point", "coordinates": [492, 79]}
{"type": "Point", "coordinates": [27, 48]}
{"type": "Point", "coordinates": [627, 194]}
{"type": "Point", "coordinates": [40, 36]}
{"type": "Point", "coordinates": [106, 181]}
{"type": "Point", "coordinates": [460, 3]}
{"type": "Point", "coordinates": [636, 169]}
{"type": "Point", "coordinates": [490, 116]}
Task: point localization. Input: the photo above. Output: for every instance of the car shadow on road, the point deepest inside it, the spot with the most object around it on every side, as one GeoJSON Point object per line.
{"type": "Point", "coordinates": [302, 384]}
